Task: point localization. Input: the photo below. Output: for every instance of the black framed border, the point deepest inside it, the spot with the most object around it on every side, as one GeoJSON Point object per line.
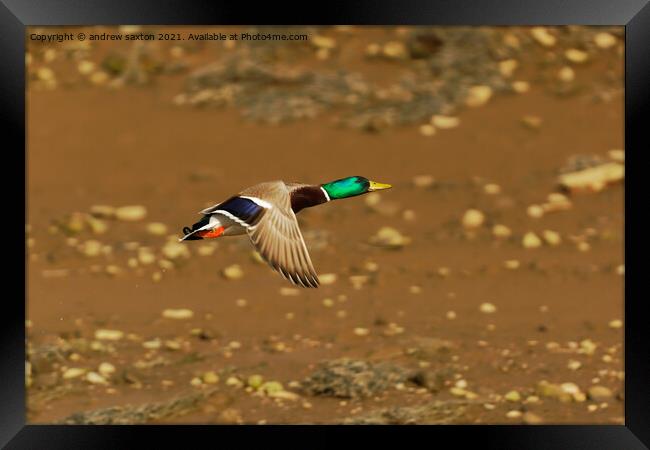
{"type": "Point", "coordinates": [16, 15]}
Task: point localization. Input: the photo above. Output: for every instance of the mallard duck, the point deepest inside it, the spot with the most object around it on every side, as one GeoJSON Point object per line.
{"type": "Point", "coordinates": [267, 213]}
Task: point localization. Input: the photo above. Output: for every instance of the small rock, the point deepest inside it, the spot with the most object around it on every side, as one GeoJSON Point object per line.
{"type": "Point", "coordinates": [289, 292]}
{"type": "Point", "coordinates": [196, 381]}
{"type": "Point", "coordinates": [616, 324]}
{"type": "Point", "coordinates": [271, 387]}
{"type": "Point", "coordinates": [395, 50]}
{"type": "Point", "coordinates": [451, 315]}
{"type": "Point", "coordinates": [131, 213]}
{"type": "Point", "coordinates": [531, 240]}
{"type": "Point", "coordinates": [390, 238]}
{"type": "Point", "coordinates": [576, 56]}
{"type": "Point", "coordinates": [146, 256]}
{"type": "Point", "coordinates": [492, 189]}
{"type": "Point", "coordinates": [617, 155]}
{"type": "Point", "coordinates": [532, 122]}
{"type": "Point", "coordinates": [487, 308]}
{"type": "Point", "coordinates": [210, 378]}
{"type": "Point", "coordinates": [109, 335]}
{"type": "Point", "coordinates": [255, 381]}
{"type": "Point", "coordinates": [566, 74]}
{"type": "Point", "coordinates": [543, 36]}
{"type": "Point", "coordinates": [530, 418]}
{"type": "Point", "coordinates": [599, 393]}
{"type": "Point", "coordinates": [178, 314]}
{"type": "Point", "coordinates": [361, 331]}
{"type": "Point", "coordinates": [175, 250]}
{"type": "Point", "coordinates": [521, 87]}
{"type": "Point", "coordinates": [535, 211]}
{"type": "Point", "coordinates": [472, 219]}
{"type": "Point", "coordinates": [514, 414]}
{"type": "Point", "coordinates": [445, 122]}
{"type": "Point", "coordinates": [157, 228]}
{"type": "Point", "coordinates": [508, 67]}
{"type": "Point", "coordinates": [91, 248]}
{"type": "Point", "coordinates": [233, 272]}
{"type": "Point", "coordinates": [358, 281]}
{"type": "Point", "coordinates": [423, 181]}
{"type": "Point", "coordinates": [604, 40]}
{"type": "Point", "coordinates": [85, 67]}
{"type": "Point", "coordinates": [106, 369]}
{"type": "Point", "coordinates": [570, 388]}
{"type": "Point", "coordinates": [73, 372]}
{"type": "Point", "coordinates": [512, 396]}
{"type": "Point", "coordinates": [207, 250]}
{"type": "Point", "coordinates": [327, 278]}
{"type": "Point", "coordinates": [501, 231]}
{"type": "Point", "coordinates": [427, 130]}
{"type": "Point", "coordinates": [478, 96]}
{"type": "Point", "coordinates": [552, 237]}
{"type": "Point", "coordinates": [95, 378]}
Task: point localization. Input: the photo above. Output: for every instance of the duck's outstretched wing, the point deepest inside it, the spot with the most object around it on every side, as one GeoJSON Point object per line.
{"type": "Point", "coordinates": [276, 234]}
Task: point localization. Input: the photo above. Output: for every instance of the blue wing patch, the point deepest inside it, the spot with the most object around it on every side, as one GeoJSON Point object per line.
{"type": "Point", "coordinates": [245, 210]}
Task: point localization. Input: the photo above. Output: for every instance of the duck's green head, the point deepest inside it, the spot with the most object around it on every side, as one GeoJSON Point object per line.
{"type": "Point", "coordinates": [351, 187]}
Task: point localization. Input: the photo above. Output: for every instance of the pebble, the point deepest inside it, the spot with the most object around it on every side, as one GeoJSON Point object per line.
{"type": "Point", "coordinates": [615, 324]}
{"type": "Point", "coordinates": [289, 292]}
{"type": "Point", "coordinates": [552, 237]}
{"type": "Point", "coordinates": [574, 365]}
{"type": "Point", "coordinates": [604, 40]}
{"type": "Point", "coordinates": [530, 418]}
{"type": "Point", "coordinates": [566, 74]}
{"type": "Point", "coordinates": [508, 67]}
{"type": "Point", "coordinates": [472, 219]}
{"type": "Point", "coordinates": [131, 213]}
{"type": "Point", "coordinates": [175, 250]}
{"type": "Point", "coordinates": [620, 270]}
{"type": "Point", "coordinates": [409, 215]}
{"type": "Point", "coordinates": [521, 87]}
{"type": "Point", "coordinates": [617, 155]}
{"type": "Point", "coordinates": [106, 369]}
{"type": "Point", "coordinates": [196, 381]}
{"type": "Point", "coordinates": [95, 378]}
{"type": "Point", "coordinates": [156, 277]}
{"type": "Point", "coordinates": [233, 272]}
{"type": "Point", "coordinates": [478, 96]}
{"type": "Point", "coordinates": [531, 240]}
{"type": "Point", "coordinates": [45, 74]}
{"type": "Point", "coordinates": [241, 302]}
{"type": "Point", "coordinates": [427, 130]}
{"type": "Point", "coordinates": [323, 42]}
{"type": "Point", "coordinates": [234, 382]}
{"type": "Point", "coordinates": [109, 335]}
{"type": "Point", "coordinates": [73, 372]}
{"type": "Point", "coordinates": [390, 238]}
{"type": "Point", "coordinates": [501, 231]}
{"type": "Point", "coordinates": [512, 396]}
{"type": "Point", "coordinates": [492, 189]}
{"type": "Point", "coordinates": [85, 67]}
{"type": "Point", "coordinates": [514, 414]}
{"type": "Point", "coordinates": [570, 388]}
{"type": "Point", "coordinates": [361, 331]}
{"type": "Point", "coordinates": [599, 393]}
{"type": "Point", "coordinates": [96, 226]}
{"type": "Point", "coordinates": [178, 313]}
{"type": "Point", "coordinates": [487, 308]}
{"type": "Point", "coordinates": [532, 122]}
{"type": "Point", "coordinates": [91, 248]}
{"type": "Point", "coordinates": [451, 315]}
{"type": "Point", "coordinates": [328, 302]}
{"type": "Point", "coordinates": [157, 228]}
{"type": "Point", "coordinates": [255, 381]}
{"type": "Point", "coordinates": [543, 36]}
{"type": "Point", "coordinates": [327, 278]}
{"type": "Point", "coordinates": [576, 56]}
{"type": "Point", "coordinates": [98, 78]}
{"type": "Point", "coordinates": [210, 377]}
{"type": "Point", "coordinates": [206, 250]}
{"type": "Point", "coordinates": [583, 246]}
{"type": "Point", "coordinates": [395, 50]}
{"type": "Point", "coordinates": [423, 181]}
{"type": "Point", "coordinates": [358, 281]}
{"type": "Point", "coordinates": [445, 122]}
{"type": "Point", "coordinates": [535, 211]}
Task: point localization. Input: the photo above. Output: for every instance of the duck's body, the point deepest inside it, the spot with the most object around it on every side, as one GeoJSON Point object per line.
{"type": "Point", "coordinates": [267, 213]}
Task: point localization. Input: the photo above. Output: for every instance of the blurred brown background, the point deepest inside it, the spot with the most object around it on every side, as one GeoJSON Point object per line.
{"type": "Point", "coordinates": [478, 290]}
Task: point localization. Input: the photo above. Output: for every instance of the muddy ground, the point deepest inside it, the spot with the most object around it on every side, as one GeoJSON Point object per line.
{"type": "Point", "coordinates": [457, 322]}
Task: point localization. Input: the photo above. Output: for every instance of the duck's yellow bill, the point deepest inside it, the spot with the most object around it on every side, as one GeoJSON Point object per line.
{"type": "Point", "coordinates": [374, 186]}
